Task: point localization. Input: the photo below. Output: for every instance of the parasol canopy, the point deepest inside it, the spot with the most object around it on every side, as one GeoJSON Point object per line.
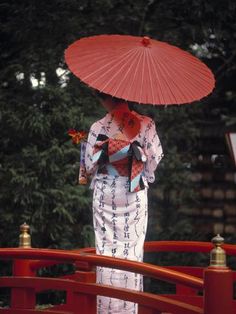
{"type": "Point", "coordinates": [139, 69]}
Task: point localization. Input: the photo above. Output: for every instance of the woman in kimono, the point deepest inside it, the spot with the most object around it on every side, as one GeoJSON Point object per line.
{"type": "Point", "coordinates": [122, 153]}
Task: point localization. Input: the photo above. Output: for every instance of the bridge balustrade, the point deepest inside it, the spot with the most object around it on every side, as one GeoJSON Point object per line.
{"type": "Point", "coordinates": [198, 290]}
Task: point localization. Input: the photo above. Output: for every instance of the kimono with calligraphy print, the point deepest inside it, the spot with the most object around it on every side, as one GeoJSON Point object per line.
{"type": "Point", "coordinates": [119, 216]}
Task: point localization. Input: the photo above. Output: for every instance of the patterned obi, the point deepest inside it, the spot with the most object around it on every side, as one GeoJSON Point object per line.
{"type": "Point", "coordinates": [120, 158]}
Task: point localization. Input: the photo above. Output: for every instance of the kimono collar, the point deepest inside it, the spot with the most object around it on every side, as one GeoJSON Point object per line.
{"type": "Point", "coordinates": [126, 121]}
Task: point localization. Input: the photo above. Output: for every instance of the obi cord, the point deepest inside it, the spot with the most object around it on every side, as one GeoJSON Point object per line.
{"type": "Point", "coordinates": [120, 158]}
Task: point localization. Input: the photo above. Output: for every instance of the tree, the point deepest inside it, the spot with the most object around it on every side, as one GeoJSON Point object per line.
{"type": "Point", "coordinates": [38, 161]}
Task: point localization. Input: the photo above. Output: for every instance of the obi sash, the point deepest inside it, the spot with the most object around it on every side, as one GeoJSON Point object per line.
{"type": "Point", "coordinates": [120, 158]}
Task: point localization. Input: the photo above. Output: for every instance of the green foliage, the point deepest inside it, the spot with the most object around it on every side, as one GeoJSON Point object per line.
{"type": "Point", "coordinates": [39, 167]}
{"type": "Point", "coordinates": [38, 162]}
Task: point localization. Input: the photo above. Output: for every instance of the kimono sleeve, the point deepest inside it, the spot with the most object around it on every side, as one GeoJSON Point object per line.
{"type": "Point", "coordinates": [91, 167]}
{"type": "Point", "coordinates": [153, 151]}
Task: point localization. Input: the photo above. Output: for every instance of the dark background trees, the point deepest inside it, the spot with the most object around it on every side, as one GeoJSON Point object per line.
{"type": "Point", "coordinates": [40, 100]}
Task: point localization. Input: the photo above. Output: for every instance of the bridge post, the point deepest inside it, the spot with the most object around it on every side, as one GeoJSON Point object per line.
{"type": "Point", "coordinates": [218, 282]}
{"type": "Point", "coordinates": [23, 298]}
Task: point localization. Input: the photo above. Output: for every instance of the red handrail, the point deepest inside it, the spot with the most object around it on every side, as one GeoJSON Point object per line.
{"type": "Point", "coordinates": [27, 261]}
{"type": "Point", "coordinates": [157, 272]}
{"type": "Point", "coordinates": [186, 246]}
{"type": "Point", "coordinates": [177, 246]}
{"type": "Point", "coordinates": [157, 302]}
{"type": "Point", "coordinates": [33, 311]}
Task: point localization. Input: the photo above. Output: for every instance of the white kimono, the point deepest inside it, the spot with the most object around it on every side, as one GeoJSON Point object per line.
{"type": "Point", "coordinates": [119, 216]}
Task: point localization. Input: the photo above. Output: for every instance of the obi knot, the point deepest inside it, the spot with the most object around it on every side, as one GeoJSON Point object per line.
{"type": "Point", "coordinates": [120, 158]}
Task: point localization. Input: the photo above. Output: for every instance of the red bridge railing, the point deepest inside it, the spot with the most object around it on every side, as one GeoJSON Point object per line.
{"type": "Point", "coordinates": [206, 291]}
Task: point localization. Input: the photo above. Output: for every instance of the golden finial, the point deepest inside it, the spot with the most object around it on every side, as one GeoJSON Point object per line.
{"type": "Point", "coordinates": [25, 239]}
{"type": "Point", "coordinates": [218, 256]}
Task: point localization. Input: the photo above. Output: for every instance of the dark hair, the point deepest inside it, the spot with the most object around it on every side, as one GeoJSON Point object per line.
{"type": "Point", "coordinates": [104, 96]}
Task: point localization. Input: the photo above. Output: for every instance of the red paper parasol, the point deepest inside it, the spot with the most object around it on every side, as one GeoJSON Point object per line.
{"type": "Point", "coordinates": [139, 69]}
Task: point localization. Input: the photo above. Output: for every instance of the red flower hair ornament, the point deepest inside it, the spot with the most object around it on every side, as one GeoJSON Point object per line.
{"type": "Point", "coordinates": [79, 137]}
